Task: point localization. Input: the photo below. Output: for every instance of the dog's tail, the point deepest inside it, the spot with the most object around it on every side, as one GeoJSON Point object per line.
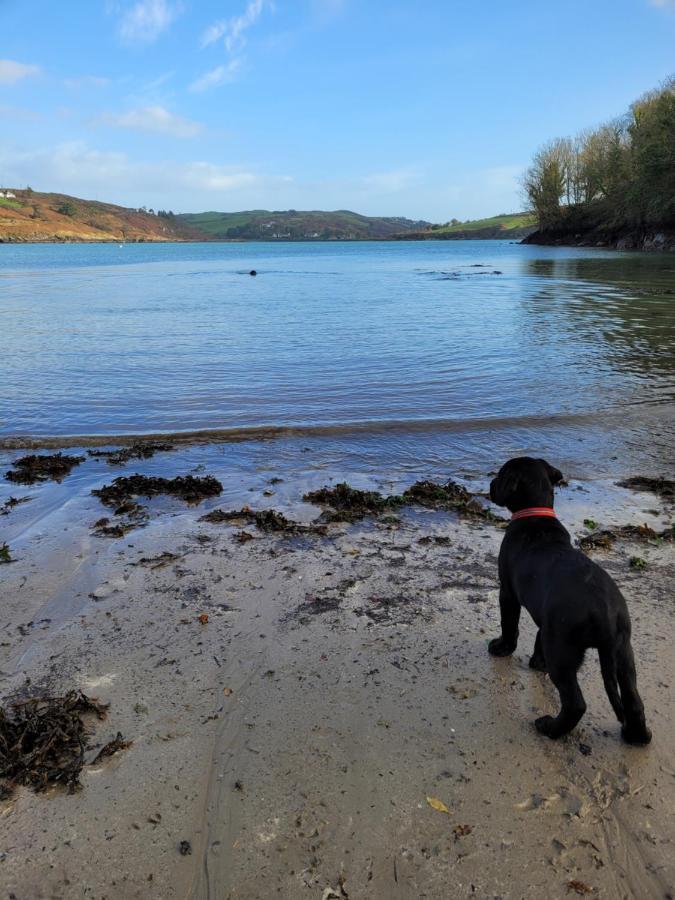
{"type": "Point", "coordinates": [609, 676]}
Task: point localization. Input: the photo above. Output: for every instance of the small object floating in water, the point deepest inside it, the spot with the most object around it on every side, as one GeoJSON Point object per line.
{"type": "Point", "coordinates": [253, 272]}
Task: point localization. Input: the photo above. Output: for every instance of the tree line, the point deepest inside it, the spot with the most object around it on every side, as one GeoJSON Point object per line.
{"type": "Point", "coordinates": [621, 174]}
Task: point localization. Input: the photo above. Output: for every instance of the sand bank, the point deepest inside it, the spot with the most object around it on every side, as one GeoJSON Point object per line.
{"type": "Point", "coordinates": [341, 680]}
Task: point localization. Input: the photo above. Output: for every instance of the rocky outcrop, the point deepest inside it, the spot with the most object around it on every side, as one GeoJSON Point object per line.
{"type": "Point", "coordinates": [651, 239]}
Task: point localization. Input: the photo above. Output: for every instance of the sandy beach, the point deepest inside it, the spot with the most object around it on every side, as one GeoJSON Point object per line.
{"type": "Point", "coordinates": [333, 726]}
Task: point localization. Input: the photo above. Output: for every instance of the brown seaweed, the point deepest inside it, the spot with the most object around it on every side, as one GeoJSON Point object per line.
{"type": "Point", "coordinates": [607, 537]}
{"type": "Point", "coordinates": [122, 490]}
{"type": "Point", "coordinates": [43, 740]}
{"type": "Point", "coordinates": [268, 520]}
{"type": "Point", "coordinates": [11, 503]}
{"type": "Point", "coordinates": [348, 504]}
{"type": "Point", "coordinates": [664, 487]}
{"type": "Point", "coordinates": [32, 469]}
{"type": "Point", "coordinates": [140, 450]}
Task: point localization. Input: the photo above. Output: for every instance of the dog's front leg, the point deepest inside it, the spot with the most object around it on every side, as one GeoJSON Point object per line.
{"type": "Point", "coordinates": [509, 609]}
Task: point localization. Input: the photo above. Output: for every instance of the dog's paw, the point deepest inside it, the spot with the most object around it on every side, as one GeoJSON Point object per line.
{"type": "Point", "coordinates": [636, 734]}
{"type": "Point", "coordinates": [546, 725]}
{"type": "Point", "coordinates": [500, 647]}
{"type": "Point", "coordinates": [538, 663]}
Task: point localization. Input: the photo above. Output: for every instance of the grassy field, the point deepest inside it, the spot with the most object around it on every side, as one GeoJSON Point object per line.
{"type": "Point", "coordinates": [12, 204]}
{"type": "Point", "coordinates": [507, 222]}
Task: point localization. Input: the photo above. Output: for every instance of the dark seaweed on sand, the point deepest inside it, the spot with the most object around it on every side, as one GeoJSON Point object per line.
{"type": "Point", "coordinates": [43, 740]}
{"type": "Point", "coordinates": [451, 496]}
{"type": "Point", "coordinates": [122, 490]}
{"type": "Point", "coordinates": [664, 487]}
{"type": "Point", "coordinates": [348, 504]}
{"type": "Point", "coordinates": [605, 538]}
{"type": "Point", "coordinates": [268, 520]}
{"type": "Point", "coordinates": [11, 503]}
{"type": "Point", "coordinates": [30, 469]}
{"type": "Point", "coordinates": [141, 450]}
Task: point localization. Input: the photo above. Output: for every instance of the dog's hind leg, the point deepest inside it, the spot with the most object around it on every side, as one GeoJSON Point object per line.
{"type": "Point", "coordinates": [537, 660]}
{"type": "Point", "coordinates": [563, 674]}
{"type": "Point", "coordinates": [635, 729]}
{"type": "Point", "coordinates": [509, 609]}
{"type": "Point", "coordinates": [607, 656]}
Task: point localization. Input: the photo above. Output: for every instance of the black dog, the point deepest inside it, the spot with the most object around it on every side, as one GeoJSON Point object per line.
{"type": "Point", "coordinates": [574, 602]}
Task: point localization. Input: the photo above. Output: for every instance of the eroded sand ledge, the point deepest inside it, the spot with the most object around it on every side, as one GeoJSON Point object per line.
{"type": "Point", "coordinates": [293, 740]}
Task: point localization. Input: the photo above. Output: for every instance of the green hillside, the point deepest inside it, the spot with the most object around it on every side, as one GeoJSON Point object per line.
{"type": "Point", "coordinates": [294, 225]}
{"type": "Point", "coordinates": [504, 223]}
{"type": "Point", "coordinates": [513, 225]}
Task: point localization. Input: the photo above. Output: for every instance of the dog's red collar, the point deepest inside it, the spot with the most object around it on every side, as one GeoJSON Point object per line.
{"type": "Point", "coordinates": [533, 511]}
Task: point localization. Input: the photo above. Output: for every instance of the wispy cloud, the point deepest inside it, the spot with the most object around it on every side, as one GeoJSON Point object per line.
{"type": "Point", "coordinates": [146, 20]}
{"type": "Point", "coordinates": [324, 11]}
{"type": "Point", "coordinates": [392, 181]}
{"type": "Point", "coordinates": [665, 4]}
{"type": "Point", "coordinates": [75, 168]}
{"type": "Point", "coordinates": [219, 75]}
{"type": "Point", "coordinates": [233, 30]}
{"type": "Point", "coordinates": [86, 81]}
{"type": "Point", "coordinates": [154, 119]}
{"type": "Point", "coordinates": [214, 33]}
{"type": "Point", "coordinates": [12, 71]}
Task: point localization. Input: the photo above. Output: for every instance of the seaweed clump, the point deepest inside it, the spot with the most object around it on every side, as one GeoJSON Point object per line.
{"type": "Point", "coordinates": [122, 490]}
{"type": "Point", "coordinates": [140, 450]}
{"type": "Point", "coordinates": [348, 504]}
{"type": "Point", "coordinates": [268, 520]}
{"type": "Point", "coordinates": [663, 487]}
{"type": "Point", "coordinates": [605, 538]}
{"type": "Point", "coordinates": [451, 496]}
{"type": "Point", "coordinates": [11, 503]}
{"type": "Point", "coordinates": [43, 741]}
{"type": "Point", "coordinates": [32, 469]}
{"type": "Point", "coordinates": [121, 495]}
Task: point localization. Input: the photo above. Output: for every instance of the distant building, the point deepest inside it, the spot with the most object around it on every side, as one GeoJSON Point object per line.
{"type": "Point", "coordinates": [8, 194]}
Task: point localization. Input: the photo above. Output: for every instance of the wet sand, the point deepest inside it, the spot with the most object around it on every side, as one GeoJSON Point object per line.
{"type": "Point", "coordinates": [340, 681]}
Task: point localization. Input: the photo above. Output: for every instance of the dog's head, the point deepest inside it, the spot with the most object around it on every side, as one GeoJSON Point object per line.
{"type": "Point", "coordinates": [524, 482]}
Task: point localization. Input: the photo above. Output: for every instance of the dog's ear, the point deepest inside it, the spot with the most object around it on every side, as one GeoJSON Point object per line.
{"type": "Point", "coordinates": [505, 486]}
{"type": "Point", "coordinates": [555, 475]}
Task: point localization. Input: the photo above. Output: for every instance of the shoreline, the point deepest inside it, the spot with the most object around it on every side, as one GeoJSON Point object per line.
{"type": "Point", "coordinates": [237, 434]}
{"type": "Point", "coordinates": [341, 680]}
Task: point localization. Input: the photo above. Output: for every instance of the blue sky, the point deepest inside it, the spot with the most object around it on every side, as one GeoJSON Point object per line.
{"type": "Point", "coordinates": [429, 109]}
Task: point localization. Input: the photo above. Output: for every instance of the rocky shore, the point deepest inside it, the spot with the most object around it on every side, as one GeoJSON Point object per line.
{"type": "Point", "coordinates": [656, 239]}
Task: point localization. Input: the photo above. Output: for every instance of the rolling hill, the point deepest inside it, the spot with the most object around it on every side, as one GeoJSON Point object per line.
{"type": "Point", "coordinates": [294, 225]}
{"type": "Point", "coordinates": [511, 225]}
{"type": "Point", "coordinates": [31, 216]}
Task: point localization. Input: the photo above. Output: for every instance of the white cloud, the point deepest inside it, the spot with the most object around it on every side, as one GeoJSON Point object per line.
{"type": "Point", "coordinates": [74, 168]}
{"type": "Point", "coordinates": [154, 119]}
{"type": "Point", "coordinates": [667, 4]}
{"type": "Point", "coordinates": [219, 75]}
{"type": "Point", "coordinates": [11, 71]}
{"type": "Point", "coordinates": [233, 30]}
{"type": "Point", "coordinates": [146, 20]}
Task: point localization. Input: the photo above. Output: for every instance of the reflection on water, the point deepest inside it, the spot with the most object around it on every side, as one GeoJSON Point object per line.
{"type": "Point", "coordinates": [494, 345]}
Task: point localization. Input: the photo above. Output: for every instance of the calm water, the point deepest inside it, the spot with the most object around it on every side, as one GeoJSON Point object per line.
{"type": "Point", "coordinates": [400, 351]}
